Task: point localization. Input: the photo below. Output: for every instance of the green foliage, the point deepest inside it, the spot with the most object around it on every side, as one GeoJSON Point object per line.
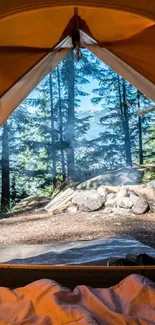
{"type": "Point", "coordinates": [149, 175]}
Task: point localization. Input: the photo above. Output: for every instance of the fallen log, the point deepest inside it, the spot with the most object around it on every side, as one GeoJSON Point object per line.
{"type": "Point", "coordinates": [61, 207]}
{"type": "Point", "coordinates": [147, 166]}
{"type": "Point", "coordinates": [59, 201]}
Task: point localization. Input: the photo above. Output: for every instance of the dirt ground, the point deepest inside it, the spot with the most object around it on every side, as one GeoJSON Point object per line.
{"type": "Point", "coordinates": [42, 227]}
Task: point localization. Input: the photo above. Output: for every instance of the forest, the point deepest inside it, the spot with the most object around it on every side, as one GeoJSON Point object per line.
{"type": "Point", "coordinates": [49, 137]}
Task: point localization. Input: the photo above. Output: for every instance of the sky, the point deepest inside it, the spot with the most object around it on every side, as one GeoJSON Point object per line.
{"type": "Point", "coordinates": [87, 108]}
{"type": "Point", "coordinates": [86, 104]}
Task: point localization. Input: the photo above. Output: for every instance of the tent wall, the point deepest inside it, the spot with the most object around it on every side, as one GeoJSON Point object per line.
{"type": "Point", "coordinates": [95, 276]}
{"type": "Point", "coordinates": [22, 89]}
{"type": "Point", "coordinates": [124, 70]}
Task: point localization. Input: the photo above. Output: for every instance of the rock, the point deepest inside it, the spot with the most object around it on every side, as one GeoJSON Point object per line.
{"type": "Point", "coordinates": [88, 200]}
{"type": "Point", "coordinates": [136, 191]}
{"type": "Point", "coordinates": [111, 196]}
{"type": "Point", "coordinates": [125, 202]}
{"type": "Point", "coordinates": [132, 192]}
{"type": "Point", "coordinates": [152, 206]}
{"type": "Point", "coordinates": [151, 184]}
{"type": "Point", "coordinates": [113, 189]}
{"type": "Point", "coordinates": [122, 179]}
{"type": "Point", "coordinates": [108, 210]}
{"type": "Point", "coordinates": [133, 197]}
{"type": "Point", "coordinates": [135, 175]}
{"type": "Point", "coordinates": [110, 203]}
{"type": "Point", "coordinates": [72, 209]}
{"type": "Point", "coordinates": [102, 190]}
{"type": "Point", "coordinates": [121, 176]}
{"type": "Point", "coordinates": [140, 206]}
{"type": "Point", "coordinates": [142, 190]}
{"type": "Point", "coordinates": [122, 192]}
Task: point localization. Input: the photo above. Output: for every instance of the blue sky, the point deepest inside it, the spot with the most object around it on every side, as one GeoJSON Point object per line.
{"type": "Point", "coordinates": [86, 104]}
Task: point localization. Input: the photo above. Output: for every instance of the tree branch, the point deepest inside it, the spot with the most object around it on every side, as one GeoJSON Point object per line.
{"type": "Point", "coordinates": [145, 110]}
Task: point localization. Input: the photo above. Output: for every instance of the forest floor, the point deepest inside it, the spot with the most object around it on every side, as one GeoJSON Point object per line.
{"type": "Point", "coordinates": [42, 227]}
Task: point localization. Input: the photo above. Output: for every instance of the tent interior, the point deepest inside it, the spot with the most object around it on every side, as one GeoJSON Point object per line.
{"type": "Point", "coordinates": [34, 37]}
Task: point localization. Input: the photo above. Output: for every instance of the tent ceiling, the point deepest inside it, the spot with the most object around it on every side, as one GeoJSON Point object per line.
{"type": "Point", "coordinates": [42, 28]}
{"type": "Point", "coordinates": [35, 29]}
{"type": "Point", "coordinates": [141, 7]}
{"type": "Point", "coordinates": [30, 29]}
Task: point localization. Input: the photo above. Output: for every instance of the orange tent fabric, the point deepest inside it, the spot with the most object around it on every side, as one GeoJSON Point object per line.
{"type": "Point", "coordinates": [31, 29]}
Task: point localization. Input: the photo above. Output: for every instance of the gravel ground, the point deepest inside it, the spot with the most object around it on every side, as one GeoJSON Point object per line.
{"type": "Point", "coordinates": [41, 228]}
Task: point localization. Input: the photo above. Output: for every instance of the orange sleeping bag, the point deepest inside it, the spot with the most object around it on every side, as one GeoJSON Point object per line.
{"type": "Point", "coordinates": [45, 302]}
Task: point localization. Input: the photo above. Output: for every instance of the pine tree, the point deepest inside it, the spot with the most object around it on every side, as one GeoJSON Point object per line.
{"type": "Point", "coordinates": [111, 143]}
{"type": "Point", "coordinates": [61, 125]}
{"type": "Point", "coordinates": [69, 67]}
{"type": "Point", "coordinates": [74, 75]}
{"type": "Point", "coordinates": [52, 123]}
{"type": "Point", "coordinates": [5, 169]}
{"type": "Point", "coordinates": [140, 131]}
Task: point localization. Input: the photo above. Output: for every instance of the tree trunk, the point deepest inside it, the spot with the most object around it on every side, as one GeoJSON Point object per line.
{"type": "Point", "coordinates": [13, 188]}
{"type": "Point", "coordinates": [126, 129]}
{"type": "Point", "coordinates": [5, 198]}
{"type": "Point", "coordinates": [52, 125]}
{"type": "Point", "coordinates": [120, 98]}
{"type": "Point", "coordinates": [61, 126]}
{"type": "Point", "coordinates": [140, 132]}
{"type": "Point", "coordinates": [70, 119]}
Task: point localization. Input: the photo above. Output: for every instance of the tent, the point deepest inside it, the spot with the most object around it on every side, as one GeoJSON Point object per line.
{"type": "Point", "coordinates": [35, 35]}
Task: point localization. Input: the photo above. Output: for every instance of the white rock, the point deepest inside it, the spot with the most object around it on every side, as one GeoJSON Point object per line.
{"type": "Point", "coordinates": [102, 190]}
{"type": "Point", "coordinates": [122, 192]}
{"type": "Point", "coordinates": [88, 200]}
{"type": "Point", "coordinates": [125, 202]}
{"type": "Point", "coordinates": [133, 197]}
{"type": "Point", "coordinates": [110, 203]}
{"type": "Point", "coordinates": [152, 206]}
{"type": "Point", "coordinates": [140, 206]}
{"type": "Point", "coordinates": [72, 209]}
{"type": "Point", "coordinates": [111, 196]}
{"type": "Point", "coordinates": [108, 210]}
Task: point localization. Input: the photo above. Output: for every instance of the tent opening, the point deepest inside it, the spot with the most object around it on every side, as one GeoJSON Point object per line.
{"type": "Point", "coordinates": [82, 129]}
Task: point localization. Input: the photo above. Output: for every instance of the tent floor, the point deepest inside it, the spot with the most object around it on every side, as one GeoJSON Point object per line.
{"type": "Point", "coordinates": [88, 252]}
